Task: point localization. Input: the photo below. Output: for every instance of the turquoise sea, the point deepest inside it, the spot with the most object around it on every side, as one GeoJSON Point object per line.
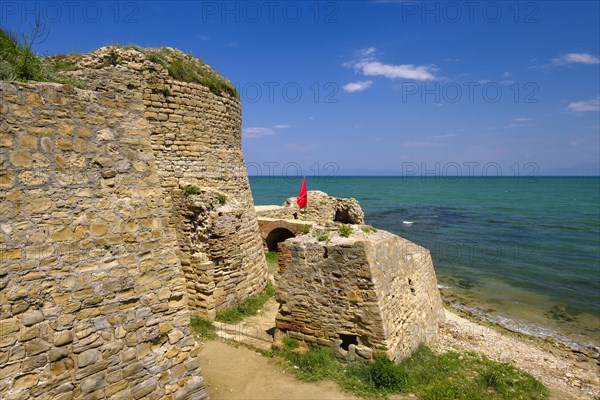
{"type": "Point", "coordinates": [523, 252]}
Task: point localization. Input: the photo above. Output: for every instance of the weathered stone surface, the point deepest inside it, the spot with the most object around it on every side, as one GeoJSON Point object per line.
{"type": "Point", "coordinates": [91, 231]}
{"type": "Point", "coordinates": [361, 293]}
{"type": "Point", "coordinates": [32, 317]}
{"type": "Point", "coordinates": [321, 208]}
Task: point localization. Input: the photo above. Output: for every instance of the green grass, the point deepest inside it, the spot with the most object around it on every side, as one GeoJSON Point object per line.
{"type": "Point", "coordinates": [291, 343]}
{"type": "Point", "coordinates": [203, 327]}
{"type": "Point", "coordinates": [306, 229]}
{"type": "Point", "coordinates": [345, 230]}
{"type": "Point", "coordinates": [186, 68]}
{"type": "Point", "coordinates": [221, 198]}
{"type": "Point", "coordinates": [368, 229]}
{"type": "Point", "coordinates": [272, 262]}
{"type": "Point", "coordinates": [428, 375]}
{"type": "Point", "coordinates": [248, 308]}
{"type": "Point", "coordinates": [18, 62]}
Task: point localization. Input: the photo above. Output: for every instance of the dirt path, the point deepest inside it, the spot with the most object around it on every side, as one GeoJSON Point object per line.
{"type": "Point", "coordinates": [239, 373]}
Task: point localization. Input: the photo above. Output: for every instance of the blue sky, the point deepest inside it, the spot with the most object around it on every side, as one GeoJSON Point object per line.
{"type": "Point", "coordinates": [377, 87]}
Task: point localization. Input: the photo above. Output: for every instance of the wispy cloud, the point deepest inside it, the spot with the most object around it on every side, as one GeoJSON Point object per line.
{"type": "Point", "coordinates": [254, 132]}
{"type": "Point", "coordinates": [446, 136]}
{"type": "Point", "coordinates": [583, 106]}
{"type": "Point", "coordinates": [357, 86]}
{"type": "Point", "coordinates": [523, 119]}
{"type": "Point", "coordinates": [568, 59]}
{"type": "Point", "coordinates": [506, 74]}
{"type": "Point", "coordinates": [366, 52]}
{"type": "Point", "coordinates": [576, 58]}
{"type": "Point", "coordinates": [369, 65]}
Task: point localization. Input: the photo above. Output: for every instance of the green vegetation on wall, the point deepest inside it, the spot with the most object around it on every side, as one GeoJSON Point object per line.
{"type": "Point", "coordinates": [18, 62]}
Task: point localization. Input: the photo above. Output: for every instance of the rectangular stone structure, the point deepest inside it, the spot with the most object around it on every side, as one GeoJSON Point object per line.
{"type": "Point", "coordinates": [365, 293]}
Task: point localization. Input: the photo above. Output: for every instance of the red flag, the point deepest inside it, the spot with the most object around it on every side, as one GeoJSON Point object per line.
{"type": "Point", "coordinates": [302, 197]}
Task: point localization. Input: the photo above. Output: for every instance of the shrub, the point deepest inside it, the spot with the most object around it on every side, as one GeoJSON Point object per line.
{"type": "Point", "coordinates": [345, 230]}
{"type": "Point", "coordinates": [190, 189]}
{"type": "Point", "coordinates": [222, 198]}
{"type": "Point", "coordinates": [322, 236]}
{"type": "Point", "coordinates": [386, 375]}
{"type": "Point", "coordinates": [306, 229]}
{"type": "Point", "coordinates": [166, 91]}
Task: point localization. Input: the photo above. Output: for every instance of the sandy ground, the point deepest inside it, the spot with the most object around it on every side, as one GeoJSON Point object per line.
{"type": "Point", "coordinates": [236, 372]}
{"type": "Point", "coordinates": [239, 373]}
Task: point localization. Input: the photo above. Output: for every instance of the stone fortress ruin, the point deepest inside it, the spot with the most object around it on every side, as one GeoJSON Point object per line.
{"type": "Point", "coordinates": [371, 291]}
{"type": "Point", "coordinates": [125, 209]}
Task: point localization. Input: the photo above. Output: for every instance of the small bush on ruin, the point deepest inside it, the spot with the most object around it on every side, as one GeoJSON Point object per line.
{"type": "Point", "coordinates": [345, 230]}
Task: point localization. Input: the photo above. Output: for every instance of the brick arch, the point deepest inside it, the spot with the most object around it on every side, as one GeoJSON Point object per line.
{"type": "Point", "coordinates": [274, 231]}
{"type": "Point", "coordinates": [277, 235]}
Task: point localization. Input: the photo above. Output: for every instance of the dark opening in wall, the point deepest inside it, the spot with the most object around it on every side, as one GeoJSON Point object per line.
{"type": "Point", "coordinates": [277, 235]}
{"type": "Point", "coordinates": [347, 340]}
{"type": "Point", "coordinates": [343, 216]}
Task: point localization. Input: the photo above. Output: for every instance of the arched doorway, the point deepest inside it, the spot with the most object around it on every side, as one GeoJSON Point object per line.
{"type": "Point", "coordinates": [277, 235]}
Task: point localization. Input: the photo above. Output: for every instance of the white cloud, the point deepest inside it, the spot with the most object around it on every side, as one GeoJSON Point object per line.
{"type": "Point", "coordinates": [446, 136]}
{"type": "Point", "coordinates": [506, 74]}
{"type": "Point", "coordinates": [583, 106]}
{"type": "Point", "coordinates": [523, 119]}
{"type": "Point", "coordinates": [368, 65]}
{"type": "Point", "coordinates": [580, 58]}
{"type": "Point", "coordinates": [357, 86]}
{"type": "Point", "coordinates": [404, 71]}
{"type": "Point", "coordinates": [572, 58]}
{"type": "Point", "coordinates": [451, 60]}
{"type": "Point", "coordinates": [366, 52]}
{"type": "Point", "coordinates": [251, 133]}
{"type": "Point", "coordinates": [255, 132]}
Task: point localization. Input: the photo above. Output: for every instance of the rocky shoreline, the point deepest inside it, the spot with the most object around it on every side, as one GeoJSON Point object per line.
{"type": "Point", "coordinates": [567, 374]}
{"type": "Point", "coordinates": [578, 348]}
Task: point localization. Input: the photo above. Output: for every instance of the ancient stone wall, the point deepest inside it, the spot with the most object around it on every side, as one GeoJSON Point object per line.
{"type": "Point", "coordinates": [196, 140]}
{"type": "Point", "coordinates": [322, 209]}
{"type": "Point", "coordinates": [92, 297]}
{"type": "Point", "coordinates": [371, 291]}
